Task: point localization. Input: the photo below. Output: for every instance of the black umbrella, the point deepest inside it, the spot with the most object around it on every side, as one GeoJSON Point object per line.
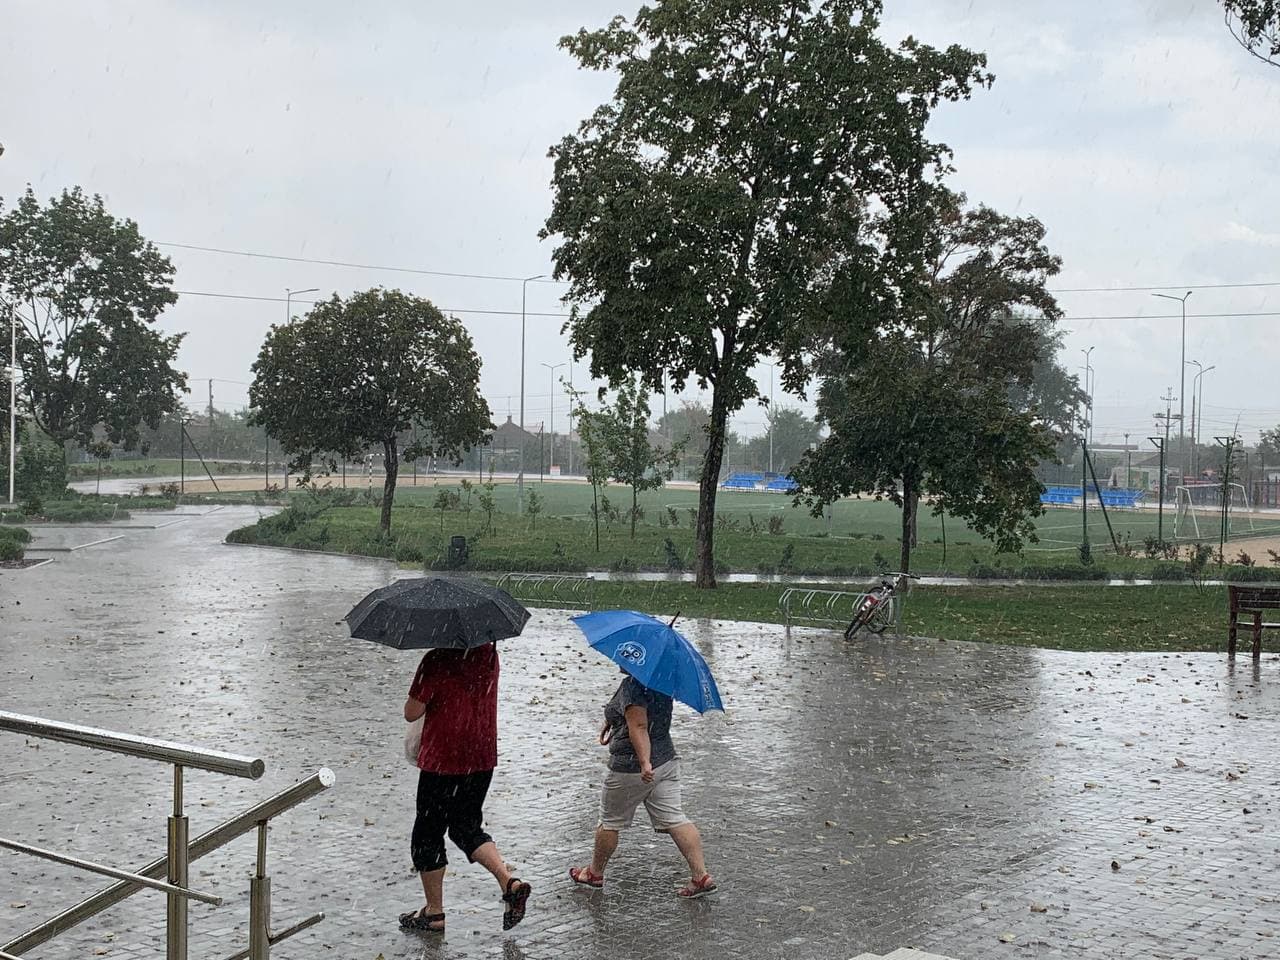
{"type": "Point", "coordinates": [449, 613]}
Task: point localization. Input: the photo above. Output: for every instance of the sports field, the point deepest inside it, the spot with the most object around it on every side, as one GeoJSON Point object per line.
{"type": "Point", "coordinates": [1059, 530]}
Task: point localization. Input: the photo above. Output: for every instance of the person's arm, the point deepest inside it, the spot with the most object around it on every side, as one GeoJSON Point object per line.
{"type": "Point", "coordinates": [638, 731]}
{"type": "Point", "coordinates": [413, 706]}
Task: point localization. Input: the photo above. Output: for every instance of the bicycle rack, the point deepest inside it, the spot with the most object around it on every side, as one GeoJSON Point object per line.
{"type": "Point", "coordinates": [806, 606]}
{"type": "Point", "coordinates": [174, 866]}
{"type": "Point", "coordinates": [550, 590]}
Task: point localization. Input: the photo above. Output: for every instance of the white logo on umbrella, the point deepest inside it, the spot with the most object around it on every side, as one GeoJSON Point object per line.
{"type": "Point", "coordinates": [632, 652]}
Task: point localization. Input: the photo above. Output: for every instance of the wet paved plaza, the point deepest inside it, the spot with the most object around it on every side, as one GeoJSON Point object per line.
{"type": "Point", "coordinates": [969, 800]}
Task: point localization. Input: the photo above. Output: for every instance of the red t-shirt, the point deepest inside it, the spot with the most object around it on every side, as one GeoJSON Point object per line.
{"type": "Point", "coordinates": [460, 729]}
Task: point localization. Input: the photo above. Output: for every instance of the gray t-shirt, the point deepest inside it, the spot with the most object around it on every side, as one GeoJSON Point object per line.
{"type": "Point", "coordinates": [622, 754]}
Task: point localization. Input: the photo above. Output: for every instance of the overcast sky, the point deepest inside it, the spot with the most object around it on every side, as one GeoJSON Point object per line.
{"type": "Point", "coordinates": [415, 134]}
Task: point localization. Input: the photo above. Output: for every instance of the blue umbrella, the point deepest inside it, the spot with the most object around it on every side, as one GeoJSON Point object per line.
{"type": "Point", "coordinates": [654, 653]}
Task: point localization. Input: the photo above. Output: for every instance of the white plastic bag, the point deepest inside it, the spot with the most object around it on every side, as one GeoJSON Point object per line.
{"type": "Point", "coordinates": [413, 740]}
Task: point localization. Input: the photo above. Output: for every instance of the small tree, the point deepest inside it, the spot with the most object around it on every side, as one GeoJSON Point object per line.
{"type": "Point", "coordinates": [533, 507]}
{"type": "Point", "coordinates": [445, 501]}
{"type": "Point", "coordinates": [100, 450]}
{"type": "Point", "coordinates": [87, 290]}
{"type": "Point", "coordinates": [361, 372]}
{"type": "Point", "coordinates": [633, 458]}
{"type": "Point", "coordinates": [593, 431]}
{"type": "Point", "coordinates": [488, 500]}
{"type": "Point", "coordinates": [468, 489]}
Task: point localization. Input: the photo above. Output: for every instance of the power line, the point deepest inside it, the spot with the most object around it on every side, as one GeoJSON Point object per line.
{"type": "Point", "coordinates": [1173, 286]}
{"type": "Point", "coordinates": [345, 263]}
{"type": "Point", "coordinates": [532, 313]}
{"type": "Point", "coordinates": [245, 296]}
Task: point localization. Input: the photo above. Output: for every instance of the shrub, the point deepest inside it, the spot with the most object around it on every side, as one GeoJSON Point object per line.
{"type": "Point", "coordinates": [1243, 559]}
{"type": "Point", "coordinates": [171, 490]}
{"type": "Point", "coordinates": [20, 534]}
{"type": "Point", "coordinates": [1086, 553]}
{"type": "Point", "coordinates": [776, 523]}
{"type": "Point", "coordinates": [623, 565]}
{"type": "Point", "coordinates": [726, 523]}
{"type": "Point", "coordinates": [786, 562]}
{"type": "Point", "coordinates": [675, 562]}
{"type": "Point", "coordinates": [11, 550]}
{"type": "Point", "coordinates": [1169, 571]}
{"type": "Point", "coordinates": [877, 536]}
{"type": "Point", "coordinates": [673, 517]}
{"type": "Point", "coordinates": [1275, 557]}
{"type": "Point", "coordinates": [753, 528]}
{"type": "Point", "coordinates": [13, 516]}
{"type": "Point", "coordinates": [33, 506]}
{"type": "Point", "coordinates": [880, 563]}
{"type": "Point", "coordinates": [409, 553]}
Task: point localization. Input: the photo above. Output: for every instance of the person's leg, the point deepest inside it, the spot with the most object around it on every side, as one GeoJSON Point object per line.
{"type": "Point", "coordinates": [665, 804]}
{"type": "Point", "coordinates": [689, 842]}
{"type": "Point", "coordinates": [622, 793]}
{"type": "Point", "coordinates": [466, 830]}
{"type": "Point", "coordinates": [427, 847]}
{"type": "Point", "coordinates": [606, 846]}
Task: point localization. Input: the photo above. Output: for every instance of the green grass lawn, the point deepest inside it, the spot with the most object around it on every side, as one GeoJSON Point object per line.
{"type": "Point", "coordinates": [1092, 617]}
{"type": "Point", "coordinates": [562, 541]}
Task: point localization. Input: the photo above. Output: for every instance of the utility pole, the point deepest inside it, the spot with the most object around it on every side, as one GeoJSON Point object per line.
{"type": "Point", "coordinates": [1182, 372]}
{"type": "Point", "coordinates": [1158, 443]}
{"type": "Point", "coordinates": [524, 438]}
{"type": "Point", "coordinates": [1229, 443]}
{"type": "Point", "coordinates": [552, 368]}
{"type": "Point", "coordinates": [210, 448]}
{"type": "Point", "coordinates": [1128, 464]}
{"type": "Point", "coordinates": [1168, 416]}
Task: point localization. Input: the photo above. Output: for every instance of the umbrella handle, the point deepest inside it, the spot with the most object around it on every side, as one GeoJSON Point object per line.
{"type": "Point", "coordinates": [674, 619]}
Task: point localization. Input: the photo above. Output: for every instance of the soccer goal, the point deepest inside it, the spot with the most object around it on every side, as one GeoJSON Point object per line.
{"type": "Point", "coordinates": [1199, 513]}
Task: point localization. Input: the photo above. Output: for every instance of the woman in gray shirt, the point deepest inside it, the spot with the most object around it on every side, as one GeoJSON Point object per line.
{"type": "Point", "coordinates": [643, 768]}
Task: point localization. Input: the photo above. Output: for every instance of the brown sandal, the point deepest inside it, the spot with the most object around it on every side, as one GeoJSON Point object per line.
{"type": "Point", "coordinates": [422, 922]}
{"type": "Point", "coordinates": [515, 899]}
{"type": "Point", "coordinates": [587, 877]}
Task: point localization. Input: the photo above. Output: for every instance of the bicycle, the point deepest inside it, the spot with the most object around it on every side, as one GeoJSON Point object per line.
{"type": "Point", "coordinates": [876, 610]}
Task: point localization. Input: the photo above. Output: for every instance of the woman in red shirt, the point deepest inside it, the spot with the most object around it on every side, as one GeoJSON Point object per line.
{"type": "Point", "coordinates": [456, 692]}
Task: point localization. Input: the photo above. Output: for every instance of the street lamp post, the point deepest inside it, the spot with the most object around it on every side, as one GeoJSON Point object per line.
{"type": "Point", "coordinates": [1182, 390]}
{"type": "Point", "coordinates": [288, 298]}
{"type": "Point", "coordinates": [524, 288]}
{"type": "Point", "coordinates": [1088, 389]}
{"type": "Point", "coordinates": [1197, 416]}
{"type": "Point", "coordinates": [772, 367]}
{"type": "Point", "coordinates": [552, 368]}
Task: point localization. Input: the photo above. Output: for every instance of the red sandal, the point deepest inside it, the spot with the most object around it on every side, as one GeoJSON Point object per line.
{"type": "Point", "coordinates": [697, 888]}
{"type": "Point", "coordinates": [584, 876]}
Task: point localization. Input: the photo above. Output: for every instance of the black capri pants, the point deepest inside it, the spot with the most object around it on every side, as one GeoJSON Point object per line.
{"type": "Point", "coordinates": [449, 803]}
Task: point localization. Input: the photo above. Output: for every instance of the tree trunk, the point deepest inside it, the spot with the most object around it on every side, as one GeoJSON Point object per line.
{"type": "Point", "coordinates": [705, 535]}
{"type": "Point", "coordinates": [635, 502]}
{"type": "Point", "coordinates": [391, 459]}
{"type": "Point", "coordinates": [910, 498]}
{"type": "Point", "coordinates": [915, 520]}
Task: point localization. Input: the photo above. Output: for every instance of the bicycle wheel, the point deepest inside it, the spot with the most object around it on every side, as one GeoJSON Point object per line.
{"type": "Point", "coordinates": [881, 616]}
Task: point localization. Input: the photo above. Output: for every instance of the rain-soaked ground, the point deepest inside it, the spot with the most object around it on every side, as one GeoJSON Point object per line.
{"type": "Point", "coordinates": [973, 801]}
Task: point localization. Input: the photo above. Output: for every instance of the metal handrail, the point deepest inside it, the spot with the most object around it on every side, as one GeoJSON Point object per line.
{"type": "Point", "coordinates": [164, 751]}
{"type": "Point", "coordinates": [90, 867]}
{"type": "Point", "coordinates": [204, 844]}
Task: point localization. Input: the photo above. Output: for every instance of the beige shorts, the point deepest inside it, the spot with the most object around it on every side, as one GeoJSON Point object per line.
{"type": "Point", "coordinates": [624, 792]}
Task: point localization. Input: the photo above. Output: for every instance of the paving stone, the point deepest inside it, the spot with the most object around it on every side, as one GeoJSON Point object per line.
{"type": "Point", "coordinates": [907, 791]}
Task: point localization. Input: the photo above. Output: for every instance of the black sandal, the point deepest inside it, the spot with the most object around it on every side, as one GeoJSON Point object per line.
{"type": "Point", "coordinates": [418, 921]}
{"type": "Point", "coordinates": [515, 903]}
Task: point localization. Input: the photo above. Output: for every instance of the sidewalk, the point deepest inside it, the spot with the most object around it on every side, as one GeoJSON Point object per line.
{"type": "Point", "coordinates": [966, 800]}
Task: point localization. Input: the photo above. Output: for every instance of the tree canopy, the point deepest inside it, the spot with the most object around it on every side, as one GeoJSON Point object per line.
{"type": "Point", "coordinates": [792, 433]}
{"type": "Point", "coordinates": [87, 290]}
{"type": "Point", "coordinates": [634, 459]}
{"type": "Point", "coordinates": [361, 372]}
{"type": "Point", "coordinates": [742, 136]}
{"type": "Point", "coordinates": [936, 399]}
{"type": "Point", "coordinates": [1256, 26]}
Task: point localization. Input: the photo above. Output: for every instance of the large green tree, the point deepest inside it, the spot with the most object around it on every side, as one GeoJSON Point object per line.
{"type": "Point", "coordinates": [362, 372]}
{"type": "Point", "coordinates": [742, 136]}
{"type": "Point", "coordinates": [935, 398]}
{"type": "Point", "coordinates": [87, 290]}
{"type": "Point", "coordinates": [1256, 26]}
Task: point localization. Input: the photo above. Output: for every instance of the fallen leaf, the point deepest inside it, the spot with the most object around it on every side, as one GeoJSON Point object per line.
{"type": "Point", "coordinates": [1039, 908]}
{"type": "Point", "coordinates": [1007, 938]}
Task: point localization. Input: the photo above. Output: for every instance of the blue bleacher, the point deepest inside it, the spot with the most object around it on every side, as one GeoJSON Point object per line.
{"type": "Point", "coordinates": [743, 481]}
{"type": "Point", "coordinates": [782, 485]}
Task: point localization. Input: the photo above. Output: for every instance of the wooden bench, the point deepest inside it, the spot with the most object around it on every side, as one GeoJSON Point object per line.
{"type": "Point", "coordinates": [1253, 601]}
